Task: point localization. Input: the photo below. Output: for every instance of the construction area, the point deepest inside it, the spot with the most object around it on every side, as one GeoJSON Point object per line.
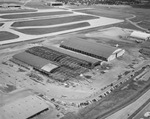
{"type": "Point", "coordinates": [69, 62]}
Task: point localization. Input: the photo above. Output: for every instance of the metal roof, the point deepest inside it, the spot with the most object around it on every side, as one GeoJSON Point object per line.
{"type": "Point", "coordinates": [89, 47]}
{"type": "Point", "coordinates": [140, 35]}
{"type": "Point", "coordinates": [32, 60]}
{"type": "Point", "coordinates": [74, 54]}
{"type": "Point", "coordinates": [49, 67]}
{"type": "Point", "coordinates": [23, 108]}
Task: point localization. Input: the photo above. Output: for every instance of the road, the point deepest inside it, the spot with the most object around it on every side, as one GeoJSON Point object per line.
{"type": "Point", "coordinates": [130, 109]}
{"type": "Point", "coordinates": [135, 24]}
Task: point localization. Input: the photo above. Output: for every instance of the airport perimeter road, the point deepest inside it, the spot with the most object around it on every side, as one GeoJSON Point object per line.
{"type": "Point", "coordinates": [125, 113]}
{"type": "Point", "coordinates": [135, 24]}
{"type": "Point", "coordinates": [131, 108]}
{"type": "Point", "coordinates": [141, 111]}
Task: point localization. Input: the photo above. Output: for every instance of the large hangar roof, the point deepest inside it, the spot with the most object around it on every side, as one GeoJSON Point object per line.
{"type": "Point", "coordinates": [89, 47]}
{"type": "Point", "coordinates": [74, 54]}
{"type": "Point", "coordinates": [24, 108]}
{"type": "Point", "coordinates": [32, 60]}
{"type": "Point", "coordinates": [140, 35]}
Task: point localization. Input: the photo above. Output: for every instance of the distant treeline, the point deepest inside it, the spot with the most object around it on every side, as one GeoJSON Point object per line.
{"type": "Point", "coordinates": [111, 2]}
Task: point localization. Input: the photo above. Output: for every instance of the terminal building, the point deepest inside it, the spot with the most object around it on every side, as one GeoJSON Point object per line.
{"type": "Point", "coordinates": [92, 49]}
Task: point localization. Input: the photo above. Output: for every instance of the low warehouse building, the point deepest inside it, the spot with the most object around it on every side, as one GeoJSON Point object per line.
{"type": "Point", "coordinates": [96, 50]}
{"type": "Point", "coordinates": [140, 35]}
{"type": "Point", "coordinates": [35, 61]}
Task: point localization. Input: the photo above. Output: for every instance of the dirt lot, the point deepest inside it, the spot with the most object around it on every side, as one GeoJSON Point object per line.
{"type": "Point", "coordinates": [1, 24]}
{"type": "Point", "coordinates": [37, 4]}
{"type": "Point", "coordinates": [107, 12]}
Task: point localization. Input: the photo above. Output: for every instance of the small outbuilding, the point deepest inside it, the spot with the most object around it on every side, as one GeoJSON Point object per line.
{"type": "Point", "coordinates": [140, 35]}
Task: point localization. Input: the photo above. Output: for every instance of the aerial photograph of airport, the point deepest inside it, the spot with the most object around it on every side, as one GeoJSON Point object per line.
{"type": "Point", "coordinates": [74, 59]}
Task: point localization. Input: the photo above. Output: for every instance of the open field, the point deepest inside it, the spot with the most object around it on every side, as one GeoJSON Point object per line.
{"type": "Point", "coordinates": [37, 4]}
{"type": "Point", "coordinates": [106, 12]}
{"type": "Point", "coordinates": [53, 21]}
{"type": "Point", "coordinates": [141, 14]}
{"type": "Point", "coordinates": [10, 2]}
{"type": "Point", "coordinates": [40, 31]}
{"type": "Point", "coordinates": [7, 88]}
{"type": "Point", "coordinates": [17, 16]}
{"type": "Point", "coordinates": [4, 35]}
{"type": "Point", "coordinates": [14, 96]}
{"type": "Point", "coordinates": [17, 11]}
{"type": "Point", "coordinates": [1, 24]}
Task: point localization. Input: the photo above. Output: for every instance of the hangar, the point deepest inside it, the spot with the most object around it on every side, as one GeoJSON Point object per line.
{"type": "Point", "coordinates": [54, 64]}
{"type": "Point", "coordinates": [96, 50]}
{"type": "Point", "coordinates": [140, 35]}
{"type": "Point", "coordinates": [36, 62]}
{"type": "Point", "coordinates": [87, 61]}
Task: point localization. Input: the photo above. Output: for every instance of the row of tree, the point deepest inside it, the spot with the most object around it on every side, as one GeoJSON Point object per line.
{"type": "Point", "coordinates": [90, 2]}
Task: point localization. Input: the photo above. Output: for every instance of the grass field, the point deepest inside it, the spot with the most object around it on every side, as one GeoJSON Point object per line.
{"type": "Point", "coordinates": [1, 24]}
{"type": "Point", "coordinates": [40, 31]}
{"type": "Point", "coordinates": [16, 11]}
{"type": "Point", "coordinates": [37, 4]}
{"type": "Point", "coordinates": [16, 16]}
{"type": "Point", "coordinates": [4, 35]}
{"type": "Point", "coordinates": [107, 12]}
{"type": "Point", "coordinates": [145, 24]}
{"type": "Point", "coordinates": [9, 2]}
{"type": "Point", "coordinates": [121, 13]}
{"type": "Point", "coordinates": [127, 25]}
{"type": "Point", "coordinates": [53, 21]}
